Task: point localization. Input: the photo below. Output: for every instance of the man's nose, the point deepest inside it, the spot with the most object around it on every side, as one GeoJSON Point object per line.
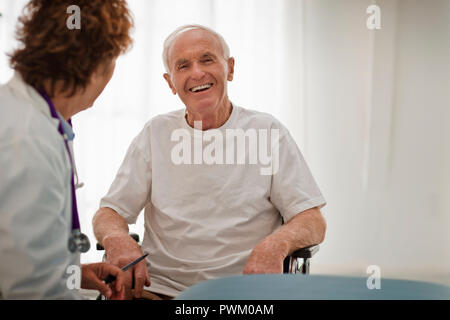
{"type": "Point", "coordinates": [197, 71]}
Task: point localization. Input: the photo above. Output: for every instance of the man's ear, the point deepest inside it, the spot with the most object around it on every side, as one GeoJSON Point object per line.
{"type": "Point", "coordinates": [169, 82]}
{"type": "Point", "coordinates": [230, 69]}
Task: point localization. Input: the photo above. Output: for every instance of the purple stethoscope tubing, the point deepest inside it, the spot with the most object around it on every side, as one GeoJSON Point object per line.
{"type": "Point", "coordinates": [77, 236]}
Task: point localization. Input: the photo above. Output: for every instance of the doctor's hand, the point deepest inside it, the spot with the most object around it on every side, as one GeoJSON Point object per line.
{"type": "Point", "coordinates": [266, 257]}
{"type": "Point", "coordinates": [92, 276]}
{"type": "Point", "coordinates": [121, 250]}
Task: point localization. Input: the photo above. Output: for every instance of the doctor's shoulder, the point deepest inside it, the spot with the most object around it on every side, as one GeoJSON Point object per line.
{"type": "Point", "coordinates": [19, 119]}
{"type": "Point", "coordinates": [14, 115]}
{"type": "Point", "coordinates": [24, 127]}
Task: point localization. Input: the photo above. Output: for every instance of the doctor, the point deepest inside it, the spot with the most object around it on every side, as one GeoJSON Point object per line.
{"type": "Point", "coordinates": [58, 73]}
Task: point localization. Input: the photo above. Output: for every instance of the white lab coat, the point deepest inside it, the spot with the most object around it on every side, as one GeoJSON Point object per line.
{"type": "Point", "coordinates": [35, 198]}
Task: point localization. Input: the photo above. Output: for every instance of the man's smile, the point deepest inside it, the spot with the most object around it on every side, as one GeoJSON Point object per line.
{"type": "Point", "coordinates": [201, 88]}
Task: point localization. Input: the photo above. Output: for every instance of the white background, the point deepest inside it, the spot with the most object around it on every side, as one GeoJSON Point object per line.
{"type": "Point", "coordinates": [370, 111]}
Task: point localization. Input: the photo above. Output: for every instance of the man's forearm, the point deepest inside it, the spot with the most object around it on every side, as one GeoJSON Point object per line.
{"type": "Point", "coordinates": [108, 222]}
{"type": "Point", "coordinates": [111, 230]}
{"type": "Point", "coordinates": [305, 229]}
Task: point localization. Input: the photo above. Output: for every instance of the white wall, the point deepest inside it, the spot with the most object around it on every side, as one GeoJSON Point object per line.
{"type": "Point", "coordinates": [378, 135]}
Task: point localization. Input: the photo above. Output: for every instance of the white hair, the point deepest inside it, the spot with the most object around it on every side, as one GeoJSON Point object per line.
{"type": "Point", "coordinates": [174, 35]}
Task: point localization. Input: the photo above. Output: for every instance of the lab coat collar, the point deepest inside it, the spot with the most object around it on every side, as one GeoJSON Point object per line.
{"type": "Point", "coordinates": [67, 128]}
{"type": "Point", "coordinates": [29, 94]}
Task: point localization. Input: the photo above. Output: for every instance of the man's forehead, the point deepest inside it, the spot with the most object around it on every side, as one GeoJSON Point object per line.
{"type": "Point", "coordinates": [198, 54]}
{"type": "Point", "coordinates": [197, 41]}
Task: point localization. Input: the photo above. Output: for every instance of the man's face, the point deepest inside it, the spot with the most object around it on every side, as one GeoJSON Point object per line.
{"type": "Point", "coordinates": [198, 71]}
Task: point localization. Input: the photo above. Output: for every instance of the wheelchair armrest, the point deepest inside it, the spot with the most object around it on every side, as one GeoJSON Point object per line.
{"type": "Point", "coordinates": [291, 265]}
{"type": "Point", "coordinates": [133, 235]}
{"type": "Point", "coordinates": [306, 253]}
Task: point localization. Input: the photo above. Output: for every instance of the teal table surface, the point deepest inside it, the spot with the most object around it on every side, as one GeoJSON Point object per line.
{"type": "Point", "coordinates": [311, 287]}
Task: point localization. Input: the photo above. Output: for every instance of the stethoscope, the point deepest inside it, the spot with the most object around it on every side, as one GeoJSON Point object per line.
{"type": "Point", "coordinates": [78, 241]}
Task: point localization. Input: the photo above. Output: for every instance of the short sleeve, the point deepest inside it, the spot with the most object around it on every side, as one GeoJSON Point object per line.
{"type": "Point", "coordinates": [34, 225]}
{"type": "Point", "coordinates": [131, 188]}
{"type": "Point", "coordinates": [293, 187]}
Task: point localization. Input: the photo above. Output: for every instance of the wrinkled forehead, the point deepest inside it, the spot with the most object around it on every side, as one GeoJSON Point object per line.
{"type": "Point", "coordinates": [192, 42]}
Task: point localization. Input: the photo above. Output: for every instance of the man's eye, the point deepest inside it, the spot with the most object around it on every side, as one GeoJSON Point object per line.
{"type": "Point", "coordinates": [183, 66]}
{"type": "Point", "coordinates": [207, 60]}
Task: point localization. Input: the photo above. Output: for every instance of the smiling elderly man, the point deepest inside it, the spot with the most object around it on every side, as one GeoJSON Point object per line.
{"type": "Point", "coordinates": [208, 218]}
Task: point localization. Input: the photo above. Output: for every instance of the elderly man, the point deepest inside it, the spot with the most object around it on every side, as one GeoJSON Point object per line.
{"type": "Point", "coordinates": [208, 212]}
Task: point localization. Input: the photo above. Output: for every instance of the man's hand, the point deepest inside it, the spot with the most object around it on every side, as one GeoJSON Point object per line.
{"type": "Point", "coordinates": [305, 229]}
{"type": "Point", "coordinates": [120, 251]}
{"type": "Point", "coordinates": [267, 257]}
{"type": "Point", "coordinates": [92, 276]}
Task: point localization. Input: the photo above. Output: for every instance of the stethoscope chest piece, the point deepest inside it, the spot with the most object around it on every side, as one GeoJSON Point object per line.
{"type": "Point", "coordinates": [79, 242]}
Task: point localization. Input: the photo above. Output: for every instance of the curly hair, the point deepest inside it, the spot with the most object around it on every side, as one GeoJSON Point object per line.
{"type": "Point", "coordinates": [51, 52]}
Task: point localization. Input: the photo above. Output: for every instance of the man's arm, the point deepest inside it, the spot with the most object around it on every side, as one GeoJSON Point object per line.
{"type": "Point", "coordinates": [305, 229]}
{"type": "Point", "coordinates": [107, 223]}
{"type": "Point", "coordinates": [111, 230]}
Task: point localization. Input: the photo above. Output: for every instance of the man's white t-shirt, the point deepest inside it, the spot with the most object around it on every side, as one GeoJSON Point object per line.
{"type": "Point", "coordinates": [207, 201]}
